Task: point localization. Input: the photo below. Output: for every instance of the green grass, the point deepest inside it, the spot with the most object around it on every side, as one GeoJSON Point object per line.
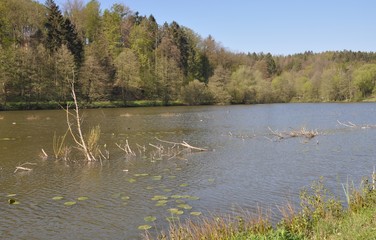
{"type": "Point", "coordinates": [321, 216]}
{"type": "Point", "coordinates": [11, 106]}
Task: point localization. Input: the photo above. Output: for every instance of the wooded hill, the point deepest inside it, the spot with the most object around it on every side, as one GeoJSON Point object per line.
{"type": "Point", "coordinates": [118, 55]}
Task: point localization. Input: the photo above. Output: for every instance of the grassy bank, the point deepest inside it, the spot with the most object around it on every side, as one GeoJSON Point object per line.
{"type": "Point", "coordinates": [12, 106]}
{"type": "Point", "coordinates": [321, 216]}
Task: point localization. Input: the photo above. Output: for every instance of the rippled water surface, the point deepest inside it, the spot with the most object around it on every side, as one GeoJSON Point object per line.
{"type": "Point", "coordinates": [245, 167]}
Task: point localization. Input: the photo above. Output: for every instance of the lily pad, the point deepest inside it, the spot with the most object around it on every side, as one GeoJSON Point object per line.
{"type": "Point", "coordinates": [144, 227]}
{"type": "Point", "coordinates": [125, 198]}
{"type": "Point", "coordinates": [149, 188]}
{"type": "Point", "coordinates": [162, 201]}
{"type": "Point", "coordinates": [171, 177]}
{"type": "Point", "coordinates": [159, 197]}
{"type": "Point", "coordinates": [167, 190]}
{"type": "Point", "coordinates": [184, 185]}
{"type": "Point", "coordinates": [56, 198]}
{"type": "Point", "coordinates": [71, 203]}
{"type": "Point", "coordinates": [179, 201]}
{"type": "Point", "coordinates": [116, 195]}
{"type": "Point", "coordinates": [172, 219]}
{"type": "Point", "coordinates": [11, 195]}
{"type": "Point", "coordinates": [160, 204]}
{"type": "Point", "coordinates": [211, 180]}
{"type": "Point", "coordinates": [176, 196]}
{"type": "Point", "coordinates": [185, 206]}
{"type": "Point", "coordinates": [141, 174]}
{"type": "Point", "coordinates": [175, 211]}
{"type": "Point", "coordinates": [191, 197]}
{"type": "Point", "coordinates": [82, 198]}
{"type": "Point", "coordinates": [156, 178]}
{"type": "Point", "coordinates": [132, 180]}
{"type": "Point", "coordinates": [195, 213]}
{"type": "Point", "coordinates": [150, 219]}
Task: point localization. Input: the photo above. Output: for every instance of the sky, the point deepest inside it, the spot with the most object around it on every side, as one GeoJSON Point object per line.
{"type": "Point", "coordinates": [280, 27]}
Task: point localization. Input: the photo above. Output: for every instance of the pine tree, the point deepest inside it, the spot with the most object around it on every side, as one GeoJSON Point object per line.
{"type": "Point", "coordinates": [61, 31]}
{"type": "Point", "coordinates": [54, 26]}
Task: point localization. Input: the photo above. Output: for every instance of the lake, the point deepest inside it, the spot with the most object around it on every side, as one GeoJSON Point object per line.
{"type": "Point", "coordinates": [246, 167]}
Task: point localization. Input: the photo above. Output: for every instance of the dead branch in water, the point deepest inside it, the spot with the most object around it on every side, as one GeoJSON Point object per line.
{"type": "Point", "coordinates": [303, 132]}
{"type": "Point", "coordinates": [24, 168]}
{"type": "Point", "coordinates": [184, 144]}
{"type": "Point", "coordinates": [352, 125]}
{"type": "Point", "coordinates": [126, 149]}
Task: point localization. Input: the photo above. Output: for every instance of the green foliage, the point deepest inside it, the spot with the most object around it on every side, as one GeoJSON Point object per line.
{"type": "Point", "coordinates": [129, 57]}
{"type": "Point", "coordinates": [316, 205]}
{"type": "Point", "coordinates": [365, 78]}
{"type": "Point", "coordinates": [196, 93]}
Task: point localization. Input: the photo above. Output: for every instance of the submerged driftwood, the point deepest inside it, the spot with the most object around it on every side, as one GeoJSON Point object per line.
{"type": "Point", "coordinates": [302, 132]}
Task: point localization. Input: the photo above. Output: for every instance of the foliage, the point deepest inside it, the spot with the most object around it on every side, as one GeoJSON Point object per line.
{"type": "Point", "coordinates": [196, 93]}
{"type": "Point", "coordinates": [119, 55]}
{"type": "Point", "coordinates": [321, 216]}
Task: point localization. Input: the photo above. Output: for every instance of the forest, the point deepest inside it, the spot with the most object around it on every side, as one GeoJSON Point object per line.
{"type": "Point", "coordinates": [118, 55]}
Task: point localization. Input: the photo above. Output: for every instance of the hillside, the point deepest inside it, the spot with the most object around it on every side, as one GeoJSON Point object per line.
{"type": "Point", "coordinates": [118, 55]}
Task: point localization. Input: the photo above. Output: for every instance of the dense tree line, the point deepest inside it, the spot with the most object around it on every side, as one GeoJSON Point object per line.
{"type": "Point", "coordinates": [119, 55]}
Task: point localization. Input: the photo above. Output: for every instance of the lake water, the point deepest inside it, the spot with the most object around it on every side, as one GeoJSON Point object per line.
{"type": "Point", "coordinates": [245, 167]}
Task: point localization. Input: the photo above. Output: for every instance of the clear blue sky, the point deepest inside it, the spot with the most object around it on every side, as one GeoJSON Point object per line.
{"type": "Point", "coordinates": [276, 26]}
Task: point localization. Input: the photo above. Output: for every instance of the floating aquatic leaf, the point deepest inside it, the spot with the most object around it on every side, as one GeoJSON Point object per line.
{"type": "Point", "coordinates": [185, 206]}
{"type": "Point", "coordinates": [70, 203]}
{"type": "Point", "coordinates": [175, 211]}
{"type": "Point", "coordinates": [172, 210]}
{"type": "Point", "coordinates": [191, 197]}
{"type": "Point", "coordinates": [183, 185]}
{"type": "Point", "coordinates": [160, 204]}
{"type": "Point", "coordinates": [176, 196]}
{"type": "Point", "coordinates": [159, 197]}
{"type": "Point", "coordinates": [172, 219]}
{"type": "Point", "coordinates": [125, 198]}
{"type": "Point", "coordinates": [195, 213]}
{"type": "Point", "coordinates": [211, 180]}
{"type": "Point", "coordinates": [144, 227]}
{"type": "Point", "coordinates": [171, 177]}
{"type": "Point", "coordinates": [5, 139]}
{"type": "Point", "coordinates": [57, 198]}
{"type": "Point", "coordinates": [178, 169]}
{"type": "Point", "coordinates": [179, 201]}
{"type": "Point", "coordinates": [156, 178]}
{"type": "Point", "coordinates": [150, 219]}
{"type": "Point", "coordinates": [149, 187]}
{"type": "Point", "coordinates": [11, 195]}
{"type": "Point", "coordinates": [16, 203]}
{"type": "Point", "coordinates": [162, 201]}
{"type": "Point", "coordinates": [132, 180]}
{"type": "Point", "coordinates": [116, 195]}
{"type": "Point", "coordinates": [82, 198]}
{"type": "Point", "coordinates": [167, 190]}
{"type": "Point", "coordinates": [141, 175]}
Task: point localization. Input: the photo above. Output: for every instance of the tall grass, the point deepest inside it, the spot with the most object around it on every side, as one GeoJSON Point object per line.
{"type": "Point", "coordinates": [321, 215]}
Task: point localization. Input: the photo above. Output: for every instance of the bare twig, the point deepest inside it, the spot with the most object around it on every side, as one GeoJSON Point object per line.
{"type": "Point", "coordinates": [184, 144]}
{"type": "Point", "coordinates": [352, 125]}
{"type": "Point", "coordinates": [24, 168]}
